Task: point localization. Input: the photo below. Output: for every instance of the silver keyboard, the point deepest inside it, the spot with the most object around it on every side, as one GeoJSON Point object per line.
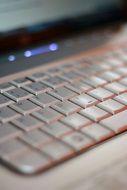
{"type": "Point", "coordinates": [56, 114]}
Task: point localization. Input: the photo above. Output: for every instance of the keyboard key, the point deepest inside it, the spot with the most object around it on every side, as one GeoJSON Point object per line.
{"type": "Point", "coordinates": [86, 71]}
{"type": "Point", "coordinates": [36, 88]}
{"type": "Point", "coordinates": [84, 100]}
{"type": "Point", "coordinates": [62, 93]}
{"type": "Point", "coordinates": [7, 114]}
{"type": "Point", "coordinates": [79, 87]}
{"type": "Point", "coordinates": [123, 81]}
{"type": "Point", "coordinates": [18, 94]}
{"type": "Point", "coordinates": [116, 123]}
{"type": "Point", "coordinates": [25, 107]}
{"type": "Point", "coordinates": [38, 76]}
{"type": "Point", "coordinates": [110, 76]}
{"type": "Point", "coordinates": [97, 132]}
{"type": "Point", "coordinates": [20, 82]}
{"type": "Point", "coordinates": [95, 81]}
{"type": "Point", "coordinates": [94, 113]}
{"type": "Point", "coordinates": [100, 67]}
{"type": "Point", "coordinates": [57, 150]}
{"type": "Point", "coordinates": [6, 86]}
{"type": "Point", "coordinates": [44, 100]}
{"type": "Point", "coordinates": [78, 141]}
{"type": "Point", "coordinates": [54, 71]}
{"type": "Point", "coordinates": [122, 71]}
{"type": "Point", "coordinates": [115, 62]}
{"type": "Point", "coordinates": [122, 98]}
{"type": "Point", "coordinates": [71, 76]}
{"type": "Point", "coordinates": [30, 162]}
{"type": "Point", "coordinates": [116, 88]}
{"type": "Point", "coordinates": [27, 123]}
{"type": "Point", "coordinates": [111, 106]}
{"type": "Point", "coordinates": [12, 147]}
{"type": "Point", "coordinates": [4, 101]}
{"type": "Point", "coordinates": [101, 94]}
{"type": "Point", "coordinates": [67, 67]}
{"type": "Point", "coordinates": [76, 121]}
{"type": "Point", "coordinates": [56, 129]}
{"type": "Point", "coordinates": [35, 137]}
{"type": "Point", "coordinates": [80, 63]}
{"type": "Point", "coordinates": [8, 131]}
{"type": "Point", "coordinates": [47, 115]}
{"type": "Point", "coordinates": [66, 107]}
{"type": "Point", "coordinates": [123, 57]}
{"type": "Point", "coordinates": [54, 82]}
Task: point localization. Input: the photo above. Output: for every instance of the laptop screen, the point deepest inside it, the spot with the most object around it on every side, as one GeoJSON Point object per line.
{"type": "Point", "coordinates": [24, 13]}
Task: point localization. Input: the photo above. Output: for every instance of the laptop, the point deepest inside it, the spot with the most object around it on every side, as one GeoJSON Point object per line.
{"type": "Point", "coordinates": [63, 95]}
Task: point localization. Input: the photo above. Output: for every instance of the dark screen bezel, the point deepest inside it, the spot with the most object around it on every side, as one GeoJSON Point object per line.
{"type": "Point", "coordinates": [25, 37]}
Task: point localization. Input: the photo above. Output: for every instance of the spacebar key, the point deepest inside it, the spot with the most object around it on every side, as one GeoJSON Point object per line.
{"type": "Point", "coordinates": [117, 123]}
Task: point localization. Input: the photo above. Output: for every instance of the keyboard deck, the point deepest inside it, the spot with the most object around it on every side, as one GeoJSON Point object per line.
{"type": "Point", "coordinates": [56, 114]}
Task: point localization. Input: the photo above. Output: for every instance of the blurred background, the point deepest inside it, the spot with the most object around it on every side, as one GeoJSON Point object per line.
{"type": "Point", "coordinates": [24, 13]}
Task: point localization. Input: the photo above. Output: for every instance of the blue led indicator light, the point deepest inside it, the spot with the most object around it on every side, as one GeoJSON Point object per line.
{"type": "Point", "coordinates": [27, 53]}
{"type": "Point", "coordinates": [53, 47]}
{"type": "Point", "coordinates": [41, 50]}
{"type": "Point", "coordinates": [11, 58]}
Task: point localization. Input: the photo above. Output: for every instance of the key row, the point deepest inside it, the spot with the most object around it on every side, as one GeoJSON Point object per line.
{"type": "Point", "coordinates": [115, 105]}
{"type": "Point", "coordinates": [18, 153]}
{"type": "Point", "coordinates": [61, 128]}
{"type": "Point", "coordinates": [67, 77]}
{"type": "Point", "coordinates": [84, 86]}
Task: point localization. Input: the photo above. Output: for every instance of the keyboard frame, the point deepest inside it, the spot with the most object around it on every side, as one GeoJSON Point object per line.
{"type": "Point", "coordinates": [79, 171]}
{"type": "Point", "coordinates": [72, 169]}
